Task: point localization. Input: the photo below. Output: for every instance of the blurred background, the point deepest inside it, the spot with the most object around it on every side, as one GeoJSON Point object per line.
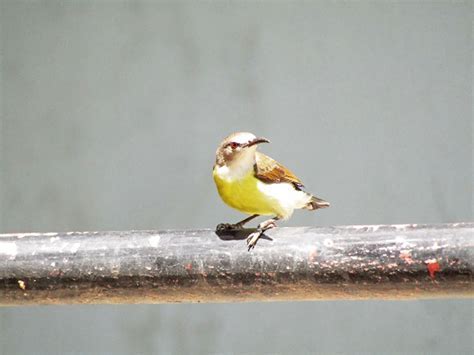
{"type": "Point", "coordinates": [111, 113]}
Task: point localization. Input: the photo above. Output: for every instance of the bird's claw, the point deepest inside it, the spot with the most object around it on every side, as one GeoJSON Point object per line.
{"type": "Point", "coordinates": [268, 225]}
{"type": "Point", "coordinates": [253, 238]}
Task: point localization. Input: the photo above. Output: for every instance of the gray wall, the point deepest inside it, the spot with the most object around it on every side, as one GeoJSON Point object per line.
{"type": "Point", "coordinates": [111, 113]}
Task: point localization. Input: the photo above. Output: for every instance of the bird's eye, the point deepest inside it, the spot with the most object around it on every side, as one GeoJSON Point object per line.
{"type": "Point", "coordinates": [234, 145]}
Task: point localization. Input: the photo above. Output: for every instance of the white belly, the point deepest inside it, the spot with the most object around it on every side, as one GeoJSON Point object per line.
{"type": "Point", "coordinates": [285, 196]}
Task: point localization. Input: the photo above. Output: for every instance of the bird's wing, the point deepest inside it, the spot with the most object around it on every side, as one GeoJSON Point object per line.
{"type": "Point", "coordinates": [270, 171]}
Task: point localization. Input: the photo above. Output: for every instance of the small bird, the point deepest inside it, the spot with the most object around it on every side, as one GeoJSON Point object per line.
{"type": "Point", "coordinates": [255, 184]}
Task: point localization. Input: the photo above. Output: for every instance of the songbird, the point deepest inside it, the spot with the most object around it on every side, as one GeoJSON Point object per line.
{"type": "Point", "coordinates": [255, 184]}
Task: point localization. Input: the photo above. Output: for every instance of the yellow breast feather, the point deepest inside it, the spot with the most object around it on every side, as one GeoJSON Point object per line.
{"type": "Point", "coordinates": [244, 195]}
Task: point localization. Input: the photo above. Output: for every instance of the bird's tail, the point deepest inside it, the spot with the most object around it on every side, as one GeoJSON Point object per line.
{"type": "Point", "coordinates": [316, 203]}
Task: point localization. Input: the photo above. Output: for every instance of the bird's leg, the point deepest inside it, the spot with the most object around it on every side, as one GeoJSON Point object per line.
{"type": "Point", "coordinates": [245, 221]}
{"type": "Point", "coordinates": [262, 227]}
{"type": "Point", "coordinates": [235, 226]}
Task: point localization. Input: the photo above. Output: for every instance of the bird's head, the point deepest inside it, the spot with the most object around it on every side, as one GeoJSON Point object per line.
{"type": "Point", "coordinates": [238, 147]}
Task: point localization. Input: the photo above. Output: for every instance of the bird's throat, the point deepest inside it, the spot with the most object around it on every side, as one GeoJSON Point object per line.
{"type": "Point", "coordinates": [238, 168]}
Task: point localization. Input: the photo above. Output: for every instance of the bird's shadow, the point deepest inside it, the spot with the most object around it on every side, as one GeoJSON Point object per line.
{"type": "Point", "coordinates": [238, 234]}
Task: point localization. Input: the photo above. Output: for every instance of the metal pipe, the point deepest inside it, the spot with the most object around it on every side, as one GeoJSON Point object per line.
{"type": "Point", "coordinates": [304, 263]}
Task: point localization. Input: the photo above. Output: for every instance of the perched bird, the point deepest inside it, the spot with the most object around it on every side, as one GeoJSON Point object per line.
{"type": "Point", "coordinates": [255, 184]}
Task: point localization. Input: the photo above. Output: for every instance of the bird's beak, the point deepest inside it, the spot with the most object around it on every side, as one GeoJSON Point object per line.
{"type": "Point", "coordinates": [256, 141]}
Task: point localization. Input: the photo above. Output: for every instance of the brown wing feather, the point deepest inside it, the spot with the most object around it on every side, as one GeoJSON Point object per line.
{"type": "Point", "coordinates": [270, 171]}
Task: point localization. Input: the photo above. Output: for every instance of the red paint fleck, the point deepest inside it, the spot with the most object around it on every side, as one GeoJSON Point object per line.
{"type": "Point", "coordinates": [188, 267]}
{"type": "Point", "coordinates": [433, 267]}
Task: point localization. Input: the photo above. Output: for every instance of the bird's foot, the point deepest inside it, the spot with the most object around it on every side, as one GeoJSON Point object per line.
{"type": "Point", "coordinates": [253, 238]}
{"type": "Point", "coordinates": [271, 223]}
